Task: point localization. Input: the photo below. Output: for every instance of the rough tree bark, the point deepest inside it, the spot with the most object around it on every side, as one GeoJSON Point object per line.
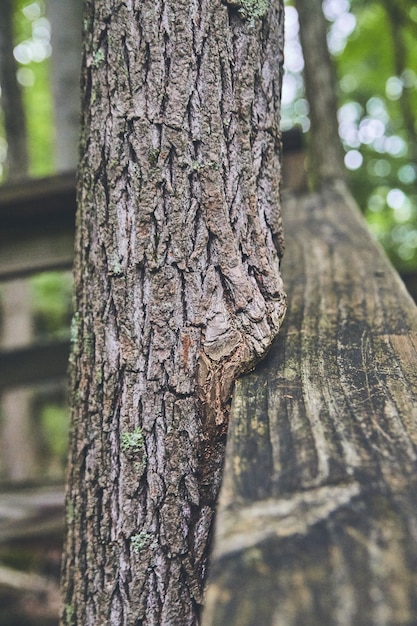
{"type": "Point", "coordinates": [177, 290]}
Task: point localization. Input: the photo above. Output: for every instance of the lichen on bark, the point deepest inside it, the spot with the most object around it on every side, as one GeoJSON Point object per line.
{"type": "Point", "coordinates": [250, 9]}
{"type": "Point", "coordinates": [177, 290]}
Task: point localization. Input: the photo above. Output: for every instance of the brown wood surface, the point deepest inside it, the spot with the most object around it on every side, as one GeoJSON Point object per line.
{"type": "Point", "coordinates": [37, 225]}
{"type": "Point", "coordinates": [30, 511]}
{"type": "Point", "coordinates": [34, 363]}
{"type": "Point", "coordinates": [317, 522]}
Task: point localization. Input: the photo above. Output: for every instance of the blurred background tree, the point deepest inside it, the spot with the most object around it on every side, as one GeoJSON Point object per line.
{"type": "Point", "coordinates": [373, 48]}
{"type": "Point", "coordinates": [39, 104]}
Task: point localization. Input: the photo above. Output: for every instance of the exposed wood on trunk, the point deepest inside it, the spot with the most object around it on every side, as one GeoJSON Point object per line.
{"type": "Point", "coordinates": [318, 509]}
{"type": "Point", "coordinates": [177, 290]}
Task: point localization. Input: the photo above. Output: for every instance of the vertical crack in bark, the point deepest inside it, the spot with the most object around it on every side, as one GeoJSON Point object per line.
{"type": "Point", "coordinates": [178, 292]}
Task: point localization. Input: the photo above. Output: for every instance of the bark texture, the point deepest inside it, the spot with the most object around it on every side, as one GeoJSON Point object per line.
{"type": "Point", "coordinates": [177, 290]}
{"type": "Point", "coordinates": [318, 510]}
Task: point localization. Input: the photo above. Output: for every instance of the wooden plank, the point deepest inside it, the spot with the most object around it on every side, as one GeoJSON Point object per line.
{"type": "Point", "coordinates": [318, 510]}
{"type": "Point", "coordinates": [38, 362]}
{"type": "Point", "coordinates": [37, 198]}
{"type": "Point", "coordinates": [28, 253]}
{"type": "Point", "coordinates": [37, 220]}
{"type": "Point", "coordinates": [31, 511]}
{"type": "Point", "coordinates": [37, 217]}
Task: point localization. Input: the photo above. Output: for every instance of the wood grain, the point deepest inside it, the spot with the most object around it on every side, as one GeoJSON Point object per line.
{"type": "Point", "coordinates": [317, 521]}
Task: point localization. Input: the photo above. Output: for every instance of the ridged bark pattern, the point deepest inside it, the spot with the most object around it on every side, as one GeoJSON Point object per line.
{"type": "Point", "coordinates": [178, 290]}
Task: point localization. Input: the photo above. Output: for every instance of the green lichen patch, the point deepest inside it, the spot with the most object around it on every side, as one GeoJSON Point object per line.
{"type": "Point", "coordinates": [75, 327]}
{"type": "Point", "coordinates": [70, 512]}
{"type": "Point", "coordinates": [98, 57]}
{"type": "Point", "coordinates": [140, 541]}
{"type": "Point", "coordinates": [253, 9]}
{"type": "Point", "coordinates": [132, 441]}
{"type": "Point", "coordinates": [69, 615]}
{"type": "Point", "coordinates": [153, 156]}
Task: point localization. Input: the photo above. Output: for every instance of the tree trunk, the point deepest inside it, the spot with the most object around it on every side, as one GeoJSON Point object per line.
{"type": "Point", "coordinates": [16, 426]}
{"type": "Point", "coordinates": [17, 441]}
{"type": "Point", "coordinates": [326, 164]}
{"type": "Point", "coordinates": [397, 18]}
{"type": "Point", "coordinates": [66, 21]}
{"type": "Point", "coordinates": [177, 290]}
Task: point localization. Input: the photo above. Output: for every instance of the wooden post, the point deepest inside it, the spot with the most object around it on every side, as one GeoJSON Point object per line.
{"type": "Point", "coordinates": [18, 452]}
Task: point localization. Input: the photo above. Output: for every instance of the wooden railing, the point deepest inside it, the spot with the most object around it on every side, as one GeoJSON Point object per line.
{"type": "Point", "coordinates": [37, 226]}
{"type": "Point", "coordinates": [37, 220]}
{"type": "Point", "coordinates": [318, 510]}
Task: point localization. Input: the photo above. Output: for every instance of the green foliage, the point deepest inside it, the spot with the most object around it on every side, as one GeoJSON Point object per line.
{"type": "Point", "coordinates": [52, 294]}
{"type": "Point", "coordinates": [33, 60]}
{"type": "Point", "coordinates": [385, 183]}
{"type": "Point", "coordinates": [54, 423]}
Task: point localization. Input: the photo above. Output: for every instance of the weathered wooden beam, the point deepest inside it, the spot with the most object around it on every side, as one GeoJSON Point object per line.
{"type": "Point", "coordinates": [317, 521]}
{"type": "Point", "coordinates": [52, 249]}
{"type": "Point", "coordinates": [35, 363]}
{"type": "Point", "coordinates": [34, 199]}
{"type": "Point", "coordinates": [31, 511]}
{"type": "Point", "coordinates": [37, 225]}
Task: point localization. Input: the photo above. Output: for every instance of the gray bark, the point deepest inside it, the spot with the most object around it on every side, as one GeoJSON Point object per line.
{"type": "Point", "coordinates": [177, 290]}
